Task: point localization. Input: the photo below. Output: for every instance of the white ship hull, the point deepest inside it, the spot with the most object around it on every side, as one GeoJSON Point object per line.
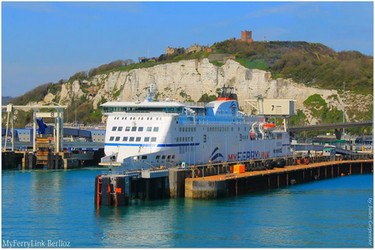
{"type": "Point", "coordinates": [154, 134]}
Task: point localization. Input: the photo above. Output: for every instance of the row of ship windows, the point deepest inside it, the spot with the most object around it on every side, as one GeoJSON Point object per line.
{"type": "Point", "coordinates": [158, 157]}
{"type": "Point", "coordinates": [132, 139]}
{"type": "Point", "coordinates": [139, 118]}
{"type": "Point", "coordinates": [134, 129]}
{"type": "Point", "coordinates": [147, 139]}
{"type": "Point", "coordinates": [184, 139]}
{"type": "Point", "coordinates": [188, 129]}
{"type": "Point", "coordinates": [218, 129]}
{"type": "Point", "coordinates": [209, 129]}
{"type": "Point", "coordinates": [182, 129]}
{"type": "Point", "coordinates": [223, 129]}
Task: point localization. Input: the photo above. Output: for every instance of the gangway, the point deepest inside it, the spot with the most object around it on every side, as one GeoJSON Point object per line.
{"type": "Point", "coordinates": [51, 111]}
{"type": "Point", "coordinates": [314, 147]}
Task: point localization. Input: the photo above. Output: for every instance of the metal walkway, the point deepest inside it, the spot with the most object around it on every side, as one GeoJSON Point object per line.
{"type": "Point", "coordinates": [306, 147]}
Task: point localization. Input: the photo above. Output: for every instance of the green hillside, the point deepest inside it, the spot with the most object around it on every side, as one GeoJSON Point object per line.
{"type": "Point", "coordinates": [313, 64]}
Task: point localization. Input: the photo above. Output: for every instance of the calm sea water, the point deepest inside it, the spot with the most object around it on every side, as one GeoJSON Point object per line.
{"type": "Point", "coordinates": [57, 207]}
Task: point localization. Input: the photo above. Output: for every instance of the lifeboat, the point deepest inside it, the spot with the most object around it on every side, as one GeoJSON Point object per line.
{"type": "Point", "coordinates": [268, 126]}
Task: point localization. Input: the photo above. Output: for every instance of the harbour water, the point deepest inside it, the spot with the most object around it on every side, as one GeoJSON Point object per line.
{"type": "Point", "coordinates": [56, 209]}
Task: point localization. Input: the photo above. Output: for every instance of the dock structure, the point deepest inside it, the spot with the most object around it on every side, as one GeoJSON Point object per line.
{"type": "Point", "coordinates": [119, 189]}
{"type": "Point", "coordinates": [48, 149]}
{"type": "Point", "coordinates": [234, 184]}
{"type": "Point", "coordinates": [219, 180]}
{"type": "Point", "coordinates": [26, 160]}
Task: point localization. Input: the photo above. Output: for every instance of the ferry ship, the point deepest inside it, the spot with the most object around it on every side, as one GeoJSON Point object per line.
{"type": "Point", "coordinates": [152, 134]}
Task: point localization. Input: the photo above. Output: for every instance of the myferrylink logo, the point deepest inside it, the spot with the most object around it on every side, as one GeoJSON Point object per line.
{"type": "Point", "coordinates": [245, 155]}
{"type": "Point", "coordinates": [35, 243]}
{"type": "Point", "coordinates": [215, 155]}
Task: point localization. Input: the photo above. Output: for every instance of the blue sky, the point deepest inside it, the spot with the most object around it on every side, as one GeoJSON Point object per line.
{"type": "Point", "coordinates": [48, 41]}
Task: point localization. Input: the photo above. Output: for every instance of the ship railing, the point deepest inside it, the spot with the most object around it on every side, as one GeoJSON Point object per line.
{"type": "Point", "coordinates": [195, 104]}
{"type": "Point", "coordinates": [189, 111]}
{"type": "Point", "coordinates": [109, 160]}
{"type": "Point", "coordinates": [241, 114]}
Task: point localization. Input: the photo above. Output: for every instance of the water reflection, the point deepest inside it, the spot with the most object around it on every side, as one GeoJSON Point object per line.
{"type": "Point", "coordinates": [46, 205]}
{"type": "Point", "coordinates": [142, 225]}
{"type": "Point", "coordinates": [46, 192]}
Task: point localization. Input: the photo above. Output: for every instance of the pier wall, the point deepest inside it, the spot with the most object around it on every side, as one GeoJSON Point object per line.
{"type": "Point", "coordinates": [11, 160]}
{"type": "Point", "coordinates": [221, 180]}
{"type": "Point", "coordinates": [225, 185]}
{"type": "Point", "coordinates": [177, 182]}
{"type": "Point", "coordinates": [118, 190]}
{"type": "Point", "coordinates": [49, 160]}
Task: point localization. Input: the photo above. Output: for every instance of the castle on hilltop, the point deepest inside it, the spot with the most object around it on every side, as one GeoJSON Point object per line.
{"type": "Point", "coordinates": [246, 36]}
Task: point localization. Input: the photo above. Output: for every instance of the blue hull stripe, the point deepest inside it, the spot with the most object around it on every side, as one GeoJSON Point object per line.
{"type": "Point", "coordinates": [149, 145]}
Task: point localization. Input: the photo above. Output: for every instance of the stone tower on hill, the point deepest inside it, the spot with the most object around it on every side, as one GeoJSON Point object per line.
{"type": "Point", "coordinates": [246, 36]}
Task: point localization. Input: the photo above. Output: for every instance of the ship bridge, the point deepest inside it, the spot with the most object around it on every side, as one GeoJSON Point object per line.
{"type": "Point", "coordinates": [142, 107]}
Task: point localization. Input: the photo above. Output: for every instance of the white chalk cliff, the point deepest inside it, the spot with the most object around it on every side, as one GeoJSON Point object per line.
{"type": "Point", "coordinates": [197, 77]}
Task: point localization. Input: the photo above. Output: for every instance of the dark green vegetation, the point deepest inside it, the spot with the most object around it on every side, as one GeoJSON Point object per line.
{"type": "Point", "coordinates": [82, 111]}
{"type": "Point", "coordinates": [310, 63]}
{"type": "Point", "coordinates": [298, 119]}
{"type": "Point", "coordinates": [319, 109]}
{"type": "Point", "coordinates": [207, 98]}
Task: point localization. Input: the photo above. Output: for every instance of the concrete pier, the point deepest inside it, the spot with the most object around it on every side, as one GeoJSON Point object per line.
{"type": "Point", "coordinates": [49, 160]}
{"type": "Point", "coordinates": [219, 180]}
{"type": "Point", "coordinates": [232, 184]}
{"type": "Point", "coordinates": [12, 160]}
{"type": "Point", "coordinates": [177, 182]}
{"type": "Point", "coordinates": [119, 189]}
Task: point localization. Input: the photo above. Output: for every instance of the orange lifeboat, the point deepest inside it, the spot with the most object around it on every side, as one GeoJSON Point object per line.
{"type": "Point", "coordinates": [269, 126]}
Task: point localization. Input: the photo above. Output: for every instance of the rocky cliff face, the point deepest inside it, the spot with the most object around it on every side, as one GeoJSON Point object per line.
{"type": "Point", "coordinates": [193, 78]}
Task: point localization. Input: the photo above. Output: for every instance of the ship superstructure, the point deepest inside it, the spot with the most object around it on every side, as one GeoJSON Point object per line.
{"type": "Point", "coordinates": [148, 134]}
